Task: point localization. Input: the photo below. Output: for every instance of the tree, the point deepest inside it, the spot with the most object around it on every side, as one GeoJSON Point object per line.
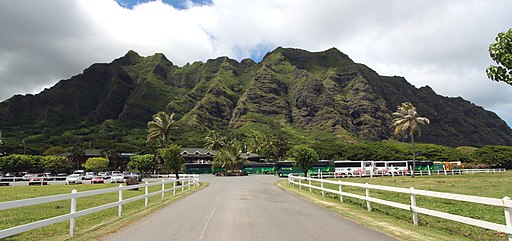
{"type": "Point", "coordinates": [19, 163]}
{"type": "Point", "coordinates": [112, 154]}
{"type": "Point", "coordinates": [142, 163]}
{"type": "Point", "coordinates": [159, 129]}
{"type": "Point", "coordinates": [500, 156]}
{"type": "Point", "coordinates": [55, 163]}
{"type": "Point", "coordinates": [305, 157]}
{"type": "Point", "coordinates": [281, 145]}
{"type": "Point", "coordinates": [96, 164]}
{"type": "Point", "coordinates": [77, 153]}
{"type": "Point", "coordinates": [501, 53]}
{"type": "Point", "coordinates": [54, 150]}
{"type": "Point", "coordinates": [265, 145]}
{"type": "Point", "coordinates": [229, 156]}
{"type": "Point", "coordinates": [214, 141]}
{"type": "Point", "coordinates": [171, 158]}
{"type": "Point", "coordinates": [406, 117]}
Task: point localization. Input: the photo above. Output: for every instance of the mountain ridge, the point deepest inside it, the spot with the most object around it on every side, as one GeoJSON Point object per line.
{"type": "Point", "coordinates": [288, 91]}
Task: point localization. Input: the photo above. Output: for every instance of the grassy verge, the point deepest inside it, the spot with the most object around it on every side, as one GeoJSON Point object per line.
{"type": "Point", "coordinates": [488, 185]}
{"type": "Point", "coordinates": [89, 227]}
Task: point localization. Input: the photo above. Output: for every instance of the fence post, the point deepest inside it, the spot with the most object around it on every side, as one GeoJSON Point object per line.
{"type": "Point", "coordinates": [368, 205]}
{"type": "Point", "coordinates": [146, 194]}
{"type": "Point", "coordinates": [163, 189]}
{"type": "Point", "coordinates": [182, 186]}
{"type": "Point", "coordinates": [444, 168]}
{"type": "Point", "coordinates": [322, 186]}
{"type": "Point", "coordinates": [120, 206]}
{"type": "Point", "coordinates": [341, 190]}
{"type": "Point", "coordinates": [508, 216]}
{"type": "Point", "coordinates": [300, 184]}
{"type": "Point", "coordinates": [309, 185]}
{"type": "Point", "coordinates": [188, 185]}
{"type": "Point", "coordinates": [174, 188]}
{"type": "Point", "coordinates": [73, 210]}
{"type": "Point", "coordinates": [429, 172]}
{"type": "Point", "coordinates": [413, 206]}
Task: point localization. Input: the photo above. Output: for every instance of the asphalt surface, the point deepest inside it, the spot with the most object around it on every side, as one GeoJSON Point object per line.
{"type": "Point", "coordinates": [244, 208]}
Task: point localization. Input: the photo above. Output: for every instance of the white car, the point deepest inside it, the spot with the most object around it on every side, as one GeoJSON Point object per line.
{"type": "Point", "coordinates": [74, 178]}
{"type": "Point", "coordinates": [89, 175]}
{"type": "Point", "coordinates": [116, 177]}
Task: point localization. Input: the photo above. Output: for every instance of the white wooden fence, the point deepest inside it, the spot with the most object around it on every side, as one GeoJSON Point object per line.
{"type": "Point", "coordinates": [186, 182]}
{"type": "Point", "coordinates": [418, 173]}
{"type": "Point", "coordinates": [506, 202]}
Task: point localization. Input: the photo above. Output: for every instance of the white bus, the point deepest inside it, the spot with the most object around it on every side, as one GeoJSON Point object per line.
{"type": "Point", "coordinates": [369, 168]}
{"type": "Point", "coordinates": [381, 168]}
{"type": "Point", "coordinates": [397, 168]}
{"type": "Point", "coordinates": [352, 168]}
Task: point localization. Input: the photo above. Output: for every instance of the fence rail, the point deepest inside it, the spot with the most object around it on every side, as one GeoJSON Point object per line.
{"type": "Point", "coordinates": [506, 202]}
{"type": "Point", "coordinates": [418, 173]}
{"type": "Point", "coordinates": [186, 182]}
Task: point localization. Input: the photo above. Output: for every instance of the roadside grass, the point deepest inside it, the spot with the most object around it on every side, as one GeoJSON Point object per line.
{"type": "Point", "coordinates": [485, 184]}
{"type": "Point", "coordinates": [89, 227]}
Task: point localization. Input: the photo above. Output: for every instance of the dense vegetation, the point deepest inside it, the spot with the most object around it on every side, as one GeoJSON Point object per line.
{"type": "Point", "coordinates": [321, 98]}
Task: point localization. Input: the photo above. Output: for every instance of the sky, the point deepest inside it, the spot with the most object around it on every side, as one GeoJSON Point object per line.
{"type": "Point", "coordinates": [442, 44]}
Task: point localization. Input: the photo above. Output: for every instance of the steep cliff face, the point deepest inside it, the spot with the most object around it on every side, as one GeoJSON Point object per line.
{"type": "Point", "coordinates": [289, 89]}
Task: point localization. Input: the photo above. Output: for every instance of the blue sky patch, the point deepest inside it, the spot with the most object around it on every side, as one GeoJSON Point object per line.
{"type": "Point", "coordinates": [178, 4]}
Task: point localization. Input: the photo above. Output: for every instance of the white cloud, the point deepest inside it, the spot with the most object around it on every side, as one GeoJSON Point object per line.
{"type": "Point", "coordinates": [442, 44]}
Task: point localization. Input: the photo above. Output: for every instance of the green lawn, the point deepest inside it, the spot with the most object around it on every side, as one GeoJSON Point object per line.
{"type": "Point", "coordinates": [87, 227]}
{"type": "Point", "coordinates": [485, 184]}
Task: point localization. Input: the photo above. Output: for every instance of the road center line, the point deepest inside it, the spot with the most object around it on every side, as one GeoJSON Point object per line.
{"type": "Point", "coordinates": [207, 222]}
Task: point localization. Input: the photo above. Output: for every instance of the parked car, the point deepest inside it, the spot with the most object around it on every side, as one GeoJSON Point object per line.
{"type": "Point", "coordinates": [105, 175]}
{"type": "Point", "coordinates": [97, 179]}
{"type": "Point", "coordinates": [27, 176]}
{"type": "Point", "coordinates": [89, 175]}
{"type": "Point", "coordinates": [61, 176]}
{"type": "Point", "coordinates": [37, 179]}
{"type": "Point", "coordinates": [79, 172]}
{"type": "Point", "coordinates": [117, 177]}
{"type": "Point", "coordinates": [74, 178]}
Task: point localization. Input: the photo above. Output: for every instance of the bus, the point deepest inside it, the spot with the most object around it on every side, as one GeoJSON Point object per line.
{"type": "Point", "coordinates": [322, 165]}
{"type": "Point", "coordinates": [397, 167]}
{"type": "Point", "coordinates": [259, 168]}
{"type": "Point", "coordinates": [348, 168]}
{"type": "Point", "coordinates": [200, 168]}
{"type": "Point", "coordinates": [381, 168]}
{"type": "Point", "coordinates": [421, 165]}
{"type": "Point", "coordinates": [284, 168]}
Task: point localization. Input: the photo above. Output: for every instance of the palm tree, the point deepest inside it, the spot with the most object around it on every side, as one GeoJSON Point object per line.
{"type": "Point", "coordinates": [228, 157]}
{"type": "Point", "coordinates": [406, 117]}
{"type": "Point", "coordinates": [214, 141]}
{"type": "Point", "coordinates": [159, 129]}
{"type": "Point", "coordinates": [265, 145]}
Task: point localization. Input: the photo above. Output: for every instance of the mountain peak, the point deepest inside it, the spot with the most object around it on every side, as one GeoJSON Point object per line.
{"type": "Point", "coordinates": [130, 58]}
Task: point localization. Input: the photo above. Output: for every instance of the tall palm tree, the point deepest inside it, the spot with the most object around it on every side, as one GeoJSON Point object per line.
{"type": "Point", "coordinates": [159, 129]}
{"type": "Point", "coordinates": [265, 145]}
{"type": "Point", "coordinates": [228, 157]}
{"type": "Point", "coordinates": [214, 141]}
{"type": "Point", "coordinates": [406, 117]}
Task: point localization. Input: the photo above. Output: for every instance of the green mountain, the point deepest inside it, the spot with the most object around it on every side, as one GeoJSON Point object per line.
{"type": "Point", "coordinates": [309, 97]}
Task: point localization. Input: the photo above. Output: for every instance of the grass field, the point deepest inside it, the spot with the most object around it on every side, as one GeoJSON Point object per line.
{"type": "Point", "coordinates": [486, 185]}
{"type": "Point", "coordinates": [88, 227]}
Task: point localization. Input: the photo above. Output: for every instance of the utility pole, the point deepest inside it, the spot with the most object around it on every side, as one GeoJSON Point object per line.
{"type": "Point", "coordinates": [1, 143]}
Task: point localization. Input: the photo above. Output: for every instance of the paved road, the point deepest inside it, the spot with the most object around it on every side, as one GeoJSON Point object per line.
{"type": "Point", "coordinates": [244, 208]}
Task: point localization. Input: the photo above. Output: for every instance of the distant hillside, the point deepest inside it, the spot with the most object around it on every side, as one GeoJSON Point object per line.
{"type": "Point", "coordinates": [291, 91]}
